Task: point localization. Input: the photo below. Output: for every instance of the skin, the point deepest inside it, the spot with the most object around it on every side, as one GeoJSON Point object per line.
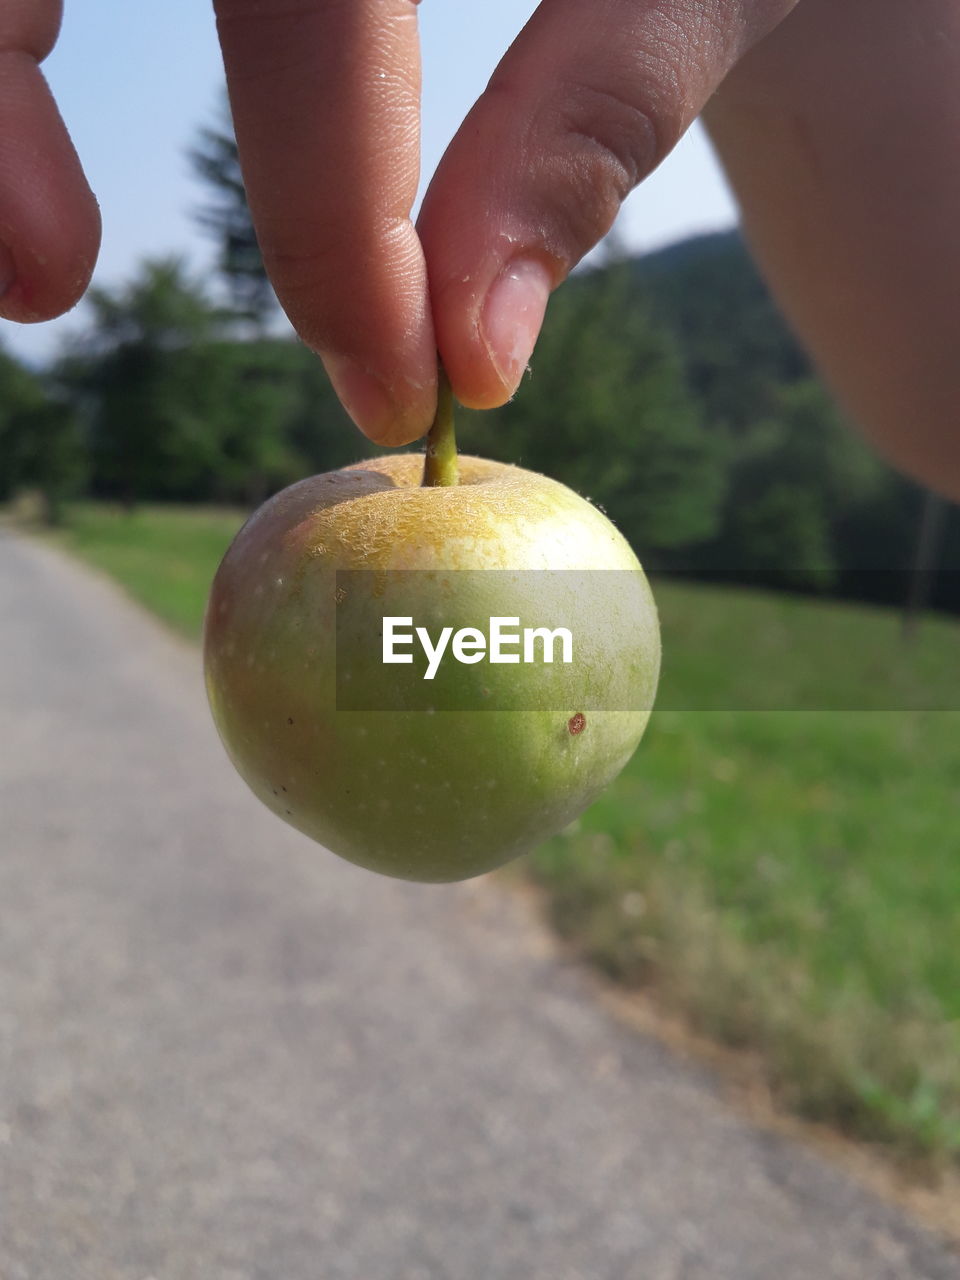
{"type": "Point", "coordinates": [416, 783]}
{"type": "Point", "coordinates": [836, 119]}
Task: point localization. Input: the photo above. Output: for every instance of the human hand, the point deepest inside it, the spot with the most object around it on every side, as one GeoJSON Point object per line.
{"type": "Point", "coordinates": [836, 127]}
{"type": "Point", "coordinates": [325, 99]}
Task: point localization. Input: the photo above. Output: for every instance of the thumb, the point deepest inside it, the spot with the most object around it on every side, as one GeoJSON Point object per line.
{"type": "Point", "coordinates": [585, 104]}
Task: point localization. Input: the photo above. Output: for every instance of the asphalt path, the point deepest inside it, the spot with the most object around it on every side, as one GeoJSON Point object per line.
{"type": "Point", "coordinates": [226, 1055]}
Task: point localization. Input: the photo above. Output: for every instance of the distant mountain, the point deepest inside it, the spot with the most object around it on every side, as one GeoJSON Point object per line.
{"type": "Point", "coordinates": [741, 360]}
{"type": "Point", "coordinates": [736, 346]}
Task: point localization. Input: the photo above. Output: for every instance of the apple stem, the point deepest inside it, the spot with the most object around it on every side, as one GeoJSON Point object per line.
{"type": "Point", "coordinates": [440, 464]}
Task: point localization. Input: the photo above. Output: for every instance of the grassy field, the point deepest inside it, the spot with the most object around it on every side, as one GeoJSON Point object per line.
{"type": "Point", "coordinates": [164, 556]}
{"type": "Point", "coordinates": [781, 860]}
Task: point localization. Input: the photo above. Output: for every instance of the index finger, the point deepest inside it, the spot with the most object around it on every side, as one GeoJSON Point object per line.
{"type": "Point", "coordinates": [325, 98]}
{"type": "Point", "coordinates": [49, 220]}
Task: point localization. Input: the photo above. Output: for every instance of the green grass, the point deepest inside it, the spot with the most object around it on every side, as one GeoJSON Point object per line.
{"type": "Point", "coordinates": [165, 556]}
{"type": "Point", "coordinates": [789, 878]}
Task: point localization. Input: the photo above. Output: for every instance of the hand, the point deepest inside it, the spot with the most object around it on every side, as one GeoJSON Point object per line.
{"type": "Point", "coordinates": [837, 127]}
{"type": "Point", "coordinates": [325, 99]}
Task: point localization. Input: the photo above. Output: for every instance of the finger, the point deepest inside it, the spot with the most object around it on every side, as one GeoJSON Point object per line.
{"type": "Point", "coordinates": [586, 103]}
{"type": "Point", "coordinates": [49, 220]}
{"type": "Point", "coordinates": [325, 99]}
{"type": "Point", "coordinates": [839, 135]}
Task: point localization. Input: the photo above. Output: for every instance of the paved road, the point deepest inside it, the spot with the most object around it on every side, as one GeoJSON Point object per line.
{"type": "Point", "coordinates": [224, 1055]}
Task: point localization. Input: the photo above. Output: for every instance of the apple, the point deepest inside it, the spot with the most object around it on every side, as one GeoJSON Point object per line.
{"type": "Point", "coordinates": [429, 777]}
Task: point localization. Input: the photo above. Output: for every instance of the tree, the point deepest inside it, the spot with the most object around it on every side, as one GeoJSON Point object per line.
{"type": "Point", "coordinates": [162, 308]}
{"type": "Point", "coordinates": [735, 346]}
{"type": "Point", "coordinates": [20, 392]}
{"type": "Point", "coordinates": [148, 385]}
{"type": "Point", "coordinates": [926, 562]}
{"type": "Point", "coordinates": [215, 160]}
{"type": "Point", "coordinates": [175, 408]}
{"type": "Point", "coordinates": [49, 454]}
{"type": "Point", "coordinates": [798, 476]}
{"type": "Point", "coordinates": [606, 410]}
{"type": "Point", "coordinates": [40, 442]}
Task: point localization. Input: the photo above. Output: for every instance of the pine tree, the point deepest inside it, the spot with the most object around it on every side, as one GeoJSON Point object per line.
{"type": "Point", "coordinates": [215, 160]}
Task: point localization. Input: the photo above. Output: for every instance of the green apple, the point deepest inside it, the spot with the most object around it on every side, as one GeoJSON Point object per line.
{"type": "Point", "coordinates": [443, 779]}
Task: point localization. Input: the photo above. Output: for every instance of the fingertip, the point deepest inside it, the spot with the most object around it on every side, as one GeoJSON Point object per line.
{"type": "Point", "coordinates": [49, 217]}
{"type": "Point", "coordinates": [325, 99]}
{"type": "Point", "coordinates": [487, 335]}
{"type": "Point", "coordinates": [34, 289]}
{"type": "Point", "coordinates": [511, 318]}
{"type": "Point", "coordinates": [389, 416]}
{"type": "Point", "coordinates": [361, 393]}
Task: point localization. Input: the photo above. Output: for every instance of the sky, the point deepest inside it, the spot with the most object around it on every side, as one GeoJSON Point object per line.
{"type": "Point", "coordinates": [135, 81]}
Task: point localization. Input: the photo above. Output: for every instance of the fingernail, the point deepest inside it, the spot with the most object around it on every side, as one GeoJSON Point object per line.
{"type": "Point", "coordinates": [512, 316]}
{"type": "Point", "coordinates": [362, 394]}
{"type": "Point", "coordinates": [8, 270]}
